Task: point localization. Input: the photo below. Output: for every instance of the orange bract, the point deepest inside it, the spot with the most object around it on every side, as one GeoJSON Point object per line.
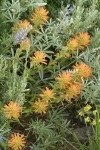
{"type": "Point", "coordinates": [38, 58]}
{"type": "Point", "coordinates": [23, 24]}
{"type": "Point", "coordinates": [72, 44]}
{"type": "Point", "coordinates": [64, 79]}
{"type": "Point", "coordinates": [48, 94]}
{"type": "Point", "coordinates": [12, 110]}
{"type": "Point", "coordinates": [24, 45]}
{"type": "Point", "coordinates": [40, 106]}
{"type": "Point", "coordinates": [40, 16]}
{"type": "Point", "coordinates": [83, 40]}
{"type": "Point", "coordinates": [83, 70]}
{"type": "Point", "coordinates": [17, 141]}
{"type": "Point", "coordinates": [73, 91]}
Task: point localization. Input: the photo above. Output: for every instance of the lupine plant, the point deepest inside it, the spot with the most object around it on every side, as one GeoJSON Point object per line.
{"type": "Point", "coordinates": [49, 75]}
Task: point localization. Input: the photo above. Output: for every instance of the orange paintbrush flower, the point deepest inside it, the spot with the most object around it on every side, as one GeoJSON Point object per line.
{"type": "Point", "coordinates": [40, 106]}
{"type": "Point", "coordinates": [40, 16]}
{"type": "Point", "coordinates": [12, 110]}
{"type": "Point", "coordinates": [48, 94]}
{"type": "Point", "coordinates": [23, 24]}
{"type": "Point", "coordinates": [17, 141]}
{"type": "Point", "coordinates": [83, 40]}
{"type": "Point", "coordinates": [38, 58]}
{"type": "Point", "coordinates": [24, 45]}
{"type": "Point", "coordinates": [64, 79]}
{"type": "Point", "coordinates": [83, 70]}
{"type": "Point", "coordinates": [73, 91]}
{"type": "Point", "coordinates": [72, 44]}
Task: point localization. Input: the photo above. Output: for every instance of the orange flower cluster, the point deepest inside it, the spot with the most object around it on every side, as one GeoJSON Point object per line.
{"type": "Point", "coordinates": [47, 95]}
{"type": "Point", "coordinates": [12, 110]}
{"type": "Point", "coordinates": [17, 141]}
{"type": "Point", "coordinates": [83, 40]}
{"type": "Point", "coordinates": [64, 79]}
{"type": "Point", "coordinates": [80, 41]}
{"type": "Point", "coordinates": [72, 44]}
{"type": "Point", "coordinates": [40, 106]}
{"type": "Point", "coordinates": [83, 70]}
{"type": "Point", "coordinates": [73, 91]}
{"type": "Point", "coordinates": [23, 24]}
{"type": "Point", "coordinates": [24, 45]}
{"type": "Point", "coordinates": [71, 82]}
{"type": "Point", "coordinates": [40, 16]}
{"type": "Point", "coordinates": [38, 58]}
{"type": "Point", "coordinates": [21, 30]}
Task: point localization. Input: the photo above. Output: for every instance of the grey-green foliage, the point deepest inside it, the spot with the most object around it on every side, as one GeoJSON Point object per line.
{"type": "Point", "coordinates": [91, 57]}
{"type": "Point", "coordinates": [44, 133]}
{"type": "Point", "coordinates": [45, 38]}
{"type": "Point", "coordinates": [12, 10]}
{"type": "Point", "coordinates": [4, 131]}
{"type": "Point", "coordinates": [51, 133]}
{"type": "Point", "coordinates": [85, 18]}
{"type": "Point", "coordinates": [6, 43]}
{"type": "Point", "coordinates": [56, 117]}
{"type": "Point", "coordinates": [40, 128]}
{"type": "Point", "coordinates": [16, 88]}
{"type": "Point", "coordinates": [56, 33]}
{"type": "Point", "coordinates": [96, 39]}
{"type": "Point", "coordinates": [13, 85]}
{"type": "Point", "coordinates": [37, 147]}
{"type": "Point", "coordinates": [3, 67]}
{"type": "Point", "coordinates": [82, 19]}
{"type": "Point", "coordinates": [91, 92]}
{"type": "Point", "coordinates": [3, 74]}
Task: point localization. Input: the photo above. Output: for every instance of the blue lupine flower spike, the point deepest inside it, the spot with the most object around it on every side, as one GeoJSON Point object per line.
{"type": "Point", "coordinates": [20, 36]}
{"type": "Point", "coordinates": [1, 138]}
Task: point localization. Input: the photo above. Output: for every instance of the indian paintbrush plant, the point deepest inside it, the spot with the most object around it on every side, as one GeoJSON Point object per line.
{"type": "Point", "coordinates": [49, 75]}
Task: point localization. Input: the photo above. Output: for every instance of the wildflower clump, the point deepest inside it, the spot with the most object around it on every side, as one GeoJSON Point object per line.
{"type": "Point", "coordinates": [21, 30]}
{"type": "Point", "coordinates": [40, 16]}
{"type": "Point", "coordinates": [47, 95]}
{"type": "Point", "coordinates": [21, 25]}
{"type": "Point", "coordinates": [38, 58]}
{"type": "Point", "coordinates": [17, 141]}
{"type": "Point", "coordinates": [40, 106]}
{"type": "Point", "coordinates": [81, 113]}
{"type": "Point", "coordinates": [71, 81]}
{"type": "Point", "coordinates": [80, 41]}
{"type": "Point", "coordinates": [87, 119]}
{"type": "Point", "coordinates": [12, 110]}
{"type": "Point", "coordinates": [72, 44]}
{"type": "Point", "coordinates": [64, 53]}
{"type": "Point", "coordinates": [20, 36]}
{"type": "Point", "coordinates": [94, 112]}
{"type": "Point", "coordinates": [89, 115]}
{"type": "Point", "coordinates": [25, 44]}
{"type": "Point", "coordinates": [93, 122]}
{"type": "Point", "coordinates": [44, 71]}
{"type": "Point", "coordinates": [64, 79]}
{"type": "Point", "coordinates": [73, 91]}
{"type": "Point", "coordinates": [87, 108]}
{"type": "Point", "coordinates": [83, 70]}
{"type": "Point", "coordinates": [83, 40]}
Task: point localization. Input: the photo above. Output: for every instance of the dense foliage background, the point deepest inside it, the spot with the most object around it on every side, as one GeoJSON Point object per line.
{"type": "Point", "coordinates": [49, 75]}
